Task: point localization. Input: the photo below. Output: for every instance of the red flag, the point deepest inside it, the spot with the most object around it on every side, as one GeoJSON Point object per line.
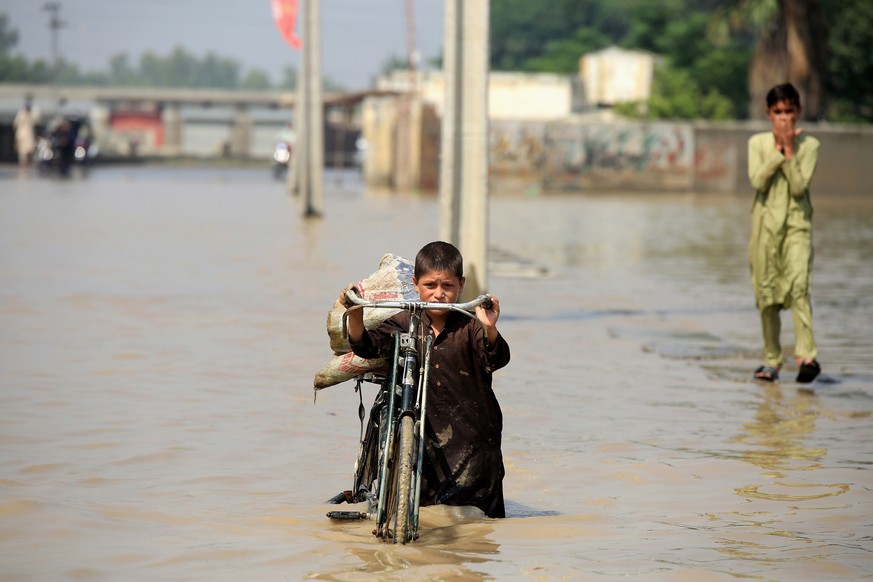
{"type": "Point", "coordinates": [285, 16]}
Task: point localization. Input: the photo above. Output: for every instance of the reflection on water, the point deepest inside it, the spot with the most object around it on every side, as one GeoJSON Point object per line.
{"type": "Point", "coordinates": [784, 423]}
{"type": "Point", "coordinates": [436, 557]}
{"type": "Point", "coordinates": [159, 331]}
{"type": "Point", "coordinates": [778, 433]}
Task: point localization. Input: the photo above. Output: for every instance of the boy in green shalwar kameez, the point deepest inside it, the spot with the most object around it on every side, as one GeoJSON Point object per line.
{"type": "Point", "coordinates": [781, 165]}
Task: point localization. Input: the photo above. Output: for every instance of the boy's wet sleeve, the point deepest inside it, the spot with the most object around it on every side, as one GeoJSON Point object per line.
{"type": "Point", "coordinates": [496, 355]}
{"type": "Point", "coordinates": [364, 347]}
{"type": "Point", "coordinates": [372, 343]}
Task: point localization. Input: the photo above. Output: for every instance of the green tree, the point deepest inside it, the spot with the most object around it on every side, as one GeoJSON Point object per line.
{"type": "Point", "coordinates": [722, 70]}
{"type": "Point", "coordinates": [851, 64]}
{"type": "Point", "coordinates": [519, 29]}
{"type": "Point", "coordinates": [677, 95]}
{"type": "Point", "coordinates": [289, 78]}
{"type": "Point", "coordinates": [674, 29]}
{"type": "Point", "coordinates": [8, 35]}
{"type": "Point", "coordinates": [562, 56]}
{"type": "Point", "coordinates": [649, 21]}
{"type": "Point", "coordinates": [182, 69]}
{"type": "Point", "coordinates": [256, 79]}
{"type": "Point", "coordinates": [392, 63]}
{"type": "Point", "coordinates": [792, 45]}
{"type": "Point", "coordinates": [121, 72]}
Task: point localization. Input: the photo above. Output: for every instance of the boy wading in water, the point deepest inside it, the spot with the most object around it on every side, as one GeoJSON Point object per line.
{"type": "Point", "coordinates": [463, 463]}
{"type": "Point", "coordinates": [781, 164]}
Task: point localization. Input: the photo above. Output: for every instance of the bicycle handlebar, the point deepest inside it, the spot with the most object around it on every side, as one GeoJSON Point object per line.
{"type": "Point", "coordinates": [482, 300]}
{"type": "Point", "coordinates": [467, 308]}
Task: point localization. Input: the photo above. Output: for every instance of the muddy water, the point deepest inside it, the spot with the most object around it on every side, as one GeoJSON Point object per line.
{"type": "Point", "coordinates": [159, 330]}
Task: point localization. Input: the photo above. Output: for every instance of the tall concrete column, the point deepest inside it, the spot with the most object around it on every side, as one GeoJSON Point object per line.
{"type": "Point", "coordinates": [464, 159]}
{"type": "Point", "coordinates": [171, 117]}
{"type": "Point", "coordinates": [403, 146]}
{"type": "Point", "coordinates": [99, 117]}
{"type": "Point", "coordinates": [378, 120]}
{"type": "Point", "coordinates": [309, 115]}
{"type": "Point", "coordinates": [241, 133]}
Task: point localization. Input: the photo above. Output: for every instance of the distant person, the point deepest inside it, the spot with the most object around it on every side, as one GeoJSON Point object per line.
{"type": "Point", "coordinates": [25, 136]}
{"type": "Point", "coordinates": [781, 164]}
{"type": "Point", "coordinates": [463, 462]}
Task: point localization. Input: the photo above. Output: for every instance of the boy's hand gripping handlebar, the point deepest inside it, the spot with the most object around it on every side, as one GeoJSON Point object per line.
{"type": "Point", "coordinates": [467, 308]}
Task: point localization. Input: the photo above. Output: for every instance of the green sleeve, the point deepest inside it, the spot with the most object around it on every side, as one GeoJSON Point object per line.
{"type": "Point", "coordinates": [764, 162]}
{"type": "Point", "coordinates": [799, 169]}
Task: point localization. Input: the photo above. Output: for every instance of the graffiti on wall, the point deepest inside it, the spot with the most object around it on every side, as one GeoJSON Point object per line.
{"type": "Point", "coordinates": [516, 146]}
{"type": "Point", "coordinates": [616, 156]}
{"type": "Point", "coordinates": [572, 156]}
{"type": "Point", "coordinates": [515, 155]}
{"type": "Point", "coordinates": [716, 163]}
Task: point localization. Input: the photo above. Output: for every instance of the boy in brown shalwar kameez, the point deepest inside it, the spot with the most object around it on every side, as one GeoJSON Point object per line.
{"type": "Point", "coordinates": [463, 463]}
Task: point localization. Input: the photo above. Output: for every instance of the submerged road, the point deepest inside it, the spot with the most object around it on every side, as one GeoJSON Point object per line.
{"type": "Point", "coordinates": [160, 329]}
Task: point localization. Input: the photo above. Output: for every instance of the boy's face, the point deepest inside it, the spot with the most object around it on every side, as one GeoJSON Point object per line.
{"type": "Point", "coordinates": [783, 113]}
{"type": "Point", "coordinates": [439, 287]}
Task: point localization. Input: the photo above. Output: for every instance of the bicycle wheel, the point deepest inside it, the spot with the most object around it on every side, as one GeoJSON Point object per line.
{"type": "Point", "coordinates": [404, 495]}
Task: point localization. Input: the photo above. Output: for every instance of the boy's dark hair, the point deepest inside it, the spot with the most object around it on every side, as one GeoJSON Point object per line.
{"type": "Point", "coordinates": [783, 92]}
{"type": "Point", "coordinates": [439, 256]}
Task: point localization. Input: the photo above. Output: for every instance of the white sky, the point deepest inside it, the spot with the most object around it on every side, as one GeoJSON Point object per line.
{"type": "Point", "coordinates": [357, 35]}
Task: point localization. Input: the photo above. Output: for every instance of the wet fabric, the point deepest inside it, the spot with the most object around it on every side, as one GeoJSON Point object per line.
{"type": "Point", "coordinates": [780, 245]}
{"type": "Point", "coordinates": [463, 462]}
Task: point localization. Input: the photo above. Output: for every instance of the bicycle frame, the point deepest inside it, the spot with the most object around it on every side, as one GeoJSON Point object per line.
{"type": "Point", "coordinates": [401, 439]}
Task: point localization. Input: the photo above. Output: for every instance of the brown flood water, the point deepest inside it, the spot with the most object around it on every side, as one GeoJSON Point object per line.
{"type": "Point", "coordinates": [160, 328]}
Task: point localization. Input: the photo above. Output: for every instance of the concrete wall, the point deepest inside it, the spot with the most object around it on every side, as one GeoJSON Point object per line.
{"type": "Point", "coordinates": [572, 156]}
{"type": "Point", "coordinates": [536, 144]}
{"type": "Point", "coordinates": [532, 96]}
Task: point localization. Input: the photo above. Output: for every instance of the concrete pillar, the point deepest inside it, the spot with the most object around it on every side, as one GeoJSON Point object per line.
{"type": "Point", "coordinates": [378, 120]}
{"type": "Point", "coordinates": [171, 116]}
{"type": "Point", "coordinates": [309, 115]}
{"type": "Point", "coordinates": [241, 133]}
{"type": "Point", "coordinates": [403, 154]}
{"type": "Point", "coordinates": [99, 118]}
{"type": "Point", "coordinates": [464, 159]}
{"type": "Point", "coordinates": [415, 145]}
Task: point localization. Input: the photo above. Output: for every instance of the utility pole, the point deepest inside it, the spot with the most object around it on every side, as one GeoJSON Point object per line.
{"type": "Point", "coordinates": [464, 153]}
{"type": "Point", "coordinates": [407, 175]}
{"type": "Point", "coordinates": [308, 162]}
{"type": "Point", "coordinates": [55, 24]}
{"type": "Point", "coordinates": [411, 51]}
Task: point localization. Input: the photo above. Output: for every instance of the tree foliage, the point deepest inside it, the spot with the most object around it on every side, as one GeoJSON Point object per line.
{"type": "Point", "coordinates": [850, 79]}
{"type": "Point", "coordinates": [791, 44]}
{"type": "Point", "coordinates": [8, 35]}
{"type": "Point", "coordinates": [180, 68]}
{"type": "Point", "coordinates": [725, 51]}
{"type": "Point", "coordinates": [553, 36]}
{"type": "Point", "coordinates": [728, 51]}
{"type": "Point", "coordinates": [677, 95]}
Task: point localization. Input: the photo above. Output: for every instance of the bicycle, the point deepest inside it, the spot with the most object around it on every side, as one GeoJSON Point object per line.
{"type": "Point", "coordinates": [389, 463]}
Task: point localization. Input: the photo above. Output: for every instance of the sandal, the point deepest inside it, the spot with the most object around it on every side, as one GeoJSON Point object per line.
{"type": "Point", "coordinates": [809, 371]}
{"type": "Point", "coordinates": [767, 374]}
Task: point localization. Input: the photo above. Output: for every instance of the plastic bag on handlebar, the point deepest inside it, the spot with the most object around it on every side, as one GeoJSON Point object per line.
{"type": "Point", "coordinates": [392, 281]}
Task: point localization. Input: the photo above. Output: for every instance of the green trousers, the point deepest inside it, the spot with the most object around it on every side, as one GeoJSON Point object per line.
{"type": "Point", "coordinates": [771, 326]}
